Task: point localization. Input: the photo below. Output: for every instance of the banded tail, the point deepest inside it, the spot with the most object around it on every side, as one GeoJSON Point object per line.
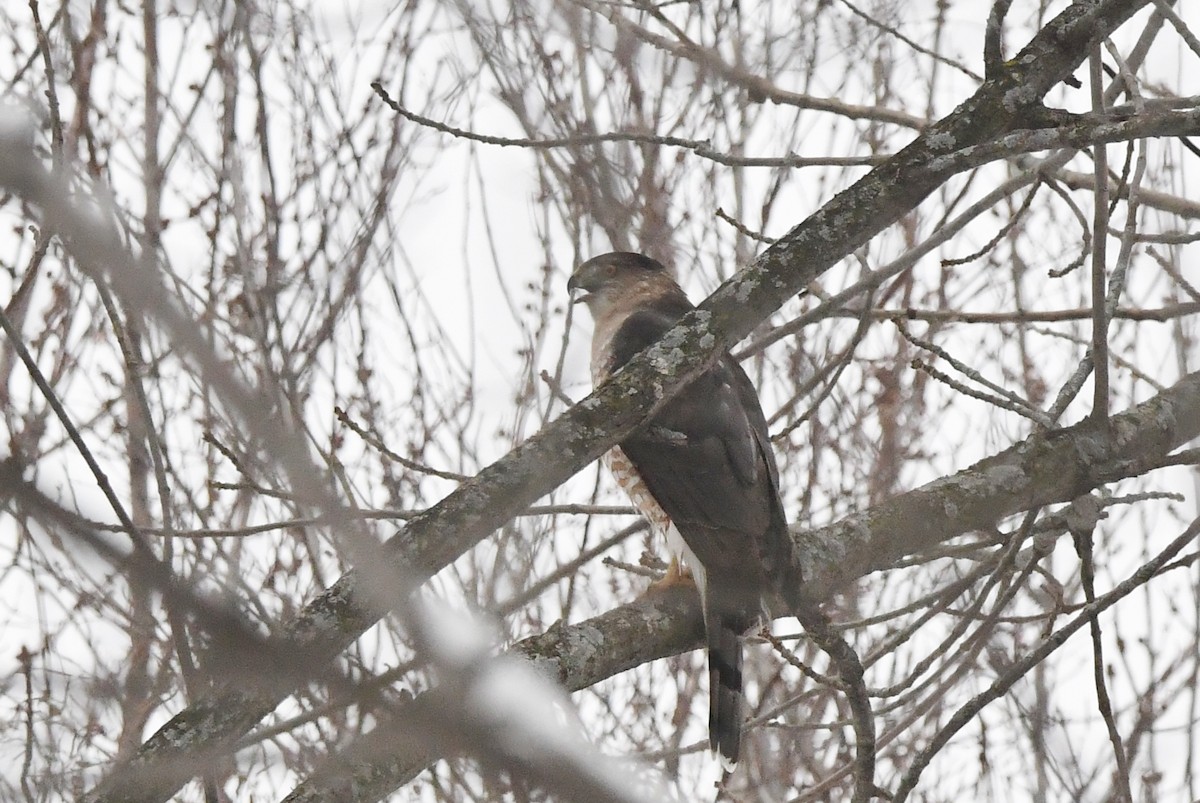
{"type": "Point", "coordinates": [724, 687]}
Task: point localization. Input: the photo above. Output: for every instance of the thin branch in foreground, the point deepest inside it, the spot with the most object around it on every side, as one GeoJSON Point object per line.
{"type": "Point", "coordinates": [1082, 517]}
{"type": "Point", "coordinates": [1099, 250]}
{"type": "Point", "coordinates": [850, 669]}
{"type": "Point", "coordinates": [1154, 314]}
{"type": "Point", "coordinates": [891, 31]}
{"type": "Point", "coordinates": [379, 446]}
{"type": "Point", "coordinates": [1004, 231]}
{"type": "Point", "coordinates": [60, 412]}
{"type": "Point", "coordinates": [701, 148]}
{"type": "Point", "coordinates": [1003, 398]}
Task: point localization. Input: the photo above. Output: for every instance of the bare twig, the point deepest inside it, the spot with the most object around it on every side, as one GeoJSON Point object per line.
{"type": "Point", "coordinates": [1099, 356]}
{"type": "Point", "coordinates": [890, 31]}
{"type": "Point", "coordinates": [993, 38]}
{"type": "Point", "coordinates": [850, 670]}
{"type": "Point", "coordinates": [703, 149]}
{"type": "Point", "coordinates": [1082, 518]}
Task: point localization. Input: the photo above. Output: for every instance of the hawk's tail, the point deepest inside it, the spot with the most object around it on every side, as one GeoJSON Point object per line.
{"type": "Point", "coordinates": [724, 687]}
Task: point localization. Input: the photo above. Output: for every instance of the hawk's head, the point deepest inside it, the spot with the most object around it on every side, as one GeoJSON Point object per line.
{"type": "Point", "coordinates": [602, 281]}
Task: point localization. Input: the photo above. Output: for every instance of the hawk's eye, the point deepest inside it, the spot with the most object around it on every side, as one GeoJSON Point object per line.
{"type": "Point", "coordinates": [610, 271]}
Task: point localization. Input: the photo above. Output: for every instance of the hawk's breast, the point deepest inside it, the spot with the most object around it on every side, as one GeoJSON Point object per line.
{"type": "Point", "coordinates": [627, 476]}
{"type": "Point", "coordinates": [605, 356]}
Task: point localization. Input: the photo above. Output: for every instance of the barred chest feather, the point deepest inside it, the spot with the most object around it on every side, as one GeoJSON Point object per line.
{"type": "Point", "coordinates": [627, 477]}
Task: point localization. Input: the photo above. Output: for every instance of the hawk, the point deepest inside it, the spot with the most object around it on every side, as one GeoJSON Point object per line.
{"type": "Point", "coordinates": [701, 470]}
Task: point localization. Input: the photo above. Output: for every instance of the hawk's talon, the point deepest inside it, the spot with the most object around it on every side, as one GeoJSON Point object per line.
{"type": "Point", "coordinates": [676, 575]}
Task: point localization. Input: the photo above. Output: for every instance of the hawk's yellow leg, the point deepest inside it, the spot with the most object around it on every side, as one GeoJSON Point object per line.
{"type": "Point", "coordinates": [676, 575]}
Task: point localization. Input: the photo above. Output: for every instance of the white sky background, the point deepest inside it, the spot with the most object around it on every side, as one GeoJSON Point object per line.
{"type": "Point", "coordinates": [472, 223]}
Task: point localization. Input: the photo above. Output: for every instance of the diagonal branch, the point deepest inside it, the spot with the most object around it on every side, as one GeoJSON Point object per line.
{"type": "Point", "coordinates": [1045, 469]}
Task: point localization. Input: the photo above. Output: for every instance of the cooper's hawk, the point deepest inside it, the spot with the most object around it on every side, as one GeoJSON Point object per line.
{"type": "Point", "coordinates": [701, 470]}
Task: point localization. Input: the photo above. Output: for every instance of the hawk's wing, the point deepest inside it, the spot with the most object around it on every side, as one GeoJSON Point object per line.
{"type": "Point", "coordinates": [706, 459]}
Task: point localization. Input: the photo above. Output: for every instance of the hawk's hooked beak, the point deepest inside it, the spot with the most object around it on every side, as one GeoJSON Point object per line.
{"type": "Point", "coordinates": [576, 290]}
